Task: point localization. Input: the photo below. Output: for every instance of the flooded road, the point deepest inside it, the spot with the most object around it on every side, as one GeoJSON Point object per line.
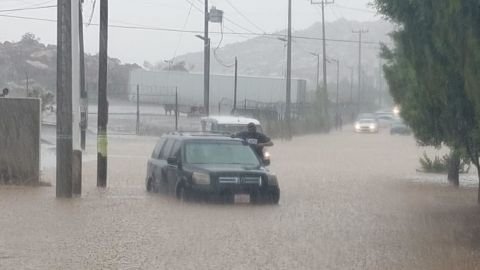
{"type": "Point", "coordinates": [348, 202]}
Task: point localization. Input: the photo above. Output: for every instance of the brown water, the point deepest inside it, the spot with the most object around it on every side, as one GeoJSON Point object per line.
{"type": "Point", "coordinates": [347, 203]}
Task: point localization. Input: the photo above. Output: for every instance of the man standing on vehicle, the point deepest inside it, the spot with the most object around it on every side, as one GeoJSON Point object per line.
{"type": "Point", "coordinates": [256, 140]}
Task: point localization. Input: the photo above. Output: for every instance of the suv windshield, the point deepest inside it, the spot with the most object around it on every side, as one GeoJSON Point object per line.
{"type": "Point", "coordinates": [220, 153]}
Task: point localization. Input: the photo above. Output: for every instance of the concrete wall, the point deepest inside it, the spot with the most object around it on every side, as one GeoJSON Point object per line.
{"type": "Point", "coordinates": [19, 140]}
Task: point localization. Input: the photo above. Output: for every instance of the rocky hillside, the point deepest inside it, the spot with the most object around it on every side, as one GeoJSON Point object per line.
{"type": "Point", "coordinates": [265, 56]}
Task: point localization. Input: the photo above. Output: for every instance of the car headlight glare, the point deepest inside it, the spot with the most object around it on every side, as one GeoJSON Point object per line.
{"type": "Point", "coordinates": [357, 126]}
{"type": "Point", "coordinates": [372, 126]}
{"type": "Point", "coordinates": [201, 178]}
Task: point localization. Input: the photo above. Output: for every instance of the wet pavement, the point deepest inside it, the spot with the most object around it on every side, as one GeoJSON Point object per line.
{"type": "Point", "coordinates": [349, 201]}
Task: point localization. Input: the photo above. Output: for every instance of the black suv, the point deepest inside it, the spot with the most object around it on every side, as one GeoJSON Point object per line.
{"type": "Point", "coordinates": [191, 164]}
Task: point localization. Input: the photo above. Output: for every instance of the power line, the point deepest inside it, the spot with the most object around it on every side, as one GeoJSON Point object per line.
{"type": "Point", "coordinates": [27, 8]}
{"type": "Point", "coordinates": [339, 11]}
{"type": "Point", "coordinates": [229, 20]}
{"type": "Point", "coordinates": [231, 31]}
{"type": "Point", "coordinates": [356, 9]}
{"type": "Point", "coordinates": [91, 14]}
{"type": "Point", "coordinates": [215, 52]}
{"type": "Point", "coordinates": [334, 12]}
{"type": "Point", "coordinates": [193, 4]}
{"type": "Point", "coordinates": [238, 25]}
{"type": "Point", "coordinates": [201, 32]}
{"type": "Point", "coordinates": [245, 17]}
{"type": "Point", "coordinates": [181, 33]}
{"type": "Point", "coordinates": [28, 18]}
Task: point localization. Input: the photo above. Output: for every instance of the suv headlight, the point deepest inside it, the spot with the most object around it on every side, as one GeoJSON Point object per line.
{"type": "Point", "coordinates": [373, 126]}
{"type": "Point", "coordinates": [201, 178]}
{"type": "Point", "coordinates": [357, 126]}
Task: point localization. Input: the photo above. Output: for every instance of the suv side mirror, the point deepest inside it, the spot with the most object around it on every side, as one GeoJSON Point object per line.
{"type": "Point", "coordinates": [266, 161]}
{"type": "Point", "coordinates": [172, 161]}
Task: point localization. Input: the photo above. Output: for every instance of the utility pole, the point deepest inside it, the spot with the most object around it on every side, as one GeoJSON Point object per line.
{"type": "Point", "coordinates": [83, 90]}
{"type": "Point", "coordinates": [27, 84]}
{"type": "Point", "coordinates": [323, 3]}
{"type": "Point", "coordinates": [351, 91]}
{"type": "Point", "coordinates": [235, 86]}
{"type": "Point", "coordinates": [380, 83]}
{"type": "Point", "coordinates": [102, 141]}
{"type": "Point", "coordinates": [176, 108]}
{"type": "Point", "coordinates": [338, 86]}
{"type": "Point", "coordinates": [337, 115]}
{"type": "Point", "coordinates": [75, 5]}
{"type": "Point", "coordinates": [76, 92]}
{"type": "Point", "coordinates": [318, 69]}
{"type": "Point", "coordinates": [170, 63]}
{"type": "Point", "coordinates": [138, 110]}
{"type": "Point", "coordinates": [206, 63]}
{"type": "Point", "coordinates": [64, 100]}
{"type": "Point", "coordinates": [289, 70]}
{"type": "Point", "coordinates": [359, 32]}
{"type": "Point", "coordinates": [215, 16]}
{"type": "Point", "coordinates": [76, 85]}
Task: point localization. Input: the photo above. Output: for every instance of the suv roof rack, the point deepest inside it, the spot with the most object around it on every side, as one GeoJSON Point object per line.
{"type": "Point", "coordinates": [200, 133]}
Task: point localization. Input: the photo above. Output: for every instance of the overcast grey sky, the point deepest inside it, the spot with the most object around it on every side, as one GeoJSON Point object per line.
{"type": "Point", "coordinates": [139, 45]}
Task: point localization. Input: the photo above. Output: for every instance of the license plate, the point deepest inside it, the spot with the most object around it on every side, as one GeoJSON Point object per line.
{"type": "Point", "coordinates": [242, 198]}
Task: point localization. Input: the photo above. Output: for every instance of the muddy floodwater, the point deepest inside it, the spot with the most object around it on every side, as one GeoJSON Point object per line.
{"type": "Point", "coordinates": [349, 201]}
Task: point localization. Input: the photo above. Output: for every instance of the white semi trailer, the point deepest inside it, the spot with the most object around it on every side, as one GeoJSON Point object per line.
{"type": "Point", "coordinates": [159, 87]}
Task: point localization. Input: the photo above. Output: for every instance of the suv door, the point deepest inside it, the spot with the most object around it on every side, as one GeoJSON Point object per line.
{"type": "Point", "coordinates": [174, 170]}
{"type": "Point", "coordinates": [152, 165]}
{"type": "Point", "coordinates": [160, 171]}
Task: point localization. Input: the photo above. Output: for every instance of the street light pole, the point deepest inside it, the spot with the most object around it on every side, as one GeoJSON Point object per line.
{"type": "Point", "coordinates": [318, 69]}
{"type": "Point", "coordinates": [359, 32]}
{"type": "Point", "coordinates": [170, 63]}
{"type": "Point", "coordinates": [83, 90]}
{"type": "Point", "coordinates": [102, 140]}
{"type": "Point", "coordinates": [338, 84]}
{"type": "Point", "coordinates": [380, 83]}
{"type": "Point", "coordinates": [206, 63]}
{"type": "Point", "coordinates": [324, 3]}
{"type": "Point", "coordinates": [351, 91]}
{"type": "Point", "coordinates": [289, 70]}
{"type": "Point", "coordinates": [235, 86]}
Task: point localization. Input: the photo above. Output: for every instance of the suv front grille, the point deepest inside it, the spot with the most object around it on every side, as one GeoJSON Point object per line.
{"type": "Point", "coordinates": [228, 180]}
{"type": "Point", "coordinates": [239, 180]}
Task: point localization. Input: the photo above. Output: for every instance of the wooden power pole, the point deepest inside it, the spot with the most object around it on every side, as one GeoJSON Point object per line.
{"type": "Point", "coordinates": [289, 72]}
{"type": "Point", "coordinates": [235, 87]}
{"type": "Point", "coordinates": [359, 97]}
{"type": "Point", "coordinates": [323, 3]}
{"type": "Point", "coordinates": [83, 90]}
{"type": "Point", "coordinates": [206, 63]}
{"type": "Point", "coordinates": [64, 100]}
{"type": "Point", "coordinates": [102, 141]}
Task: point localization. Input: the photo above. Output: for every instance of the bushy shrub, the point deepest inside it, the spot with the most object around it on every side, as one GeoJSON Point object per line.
{"type": "Point", "coordinates": [440, 164]}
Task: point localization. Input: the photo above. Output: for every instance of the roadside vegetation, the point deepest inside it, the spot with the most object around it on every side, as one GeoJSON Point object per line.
{"type": "Point", "coordinates": [432, 70]}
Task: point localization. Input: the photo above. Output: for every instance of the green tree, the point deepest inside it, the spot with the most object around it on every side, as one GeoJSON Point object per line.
{"type": "Point", "coordinates": [433, 70]}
